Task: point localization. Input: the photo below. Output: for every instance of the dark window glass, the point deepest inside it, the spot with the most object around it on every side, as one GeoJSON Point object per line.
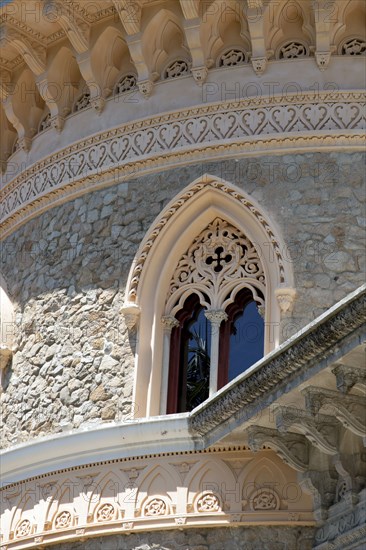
{"type": "Point", "coordinates": [189, 370]}
{"type": "Point", "coordinates": [246, 340]}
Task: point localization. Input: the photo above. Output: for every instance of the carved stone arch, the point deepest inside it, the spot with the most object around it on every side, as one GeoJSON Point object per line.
{"type": "Point", "coordinates": [350, 29]}
{"type": "Point", "coordinates": [63, 68]}
{"type": "Point", "coordinates": [196, 477]}
{"type": "Point", "coordinates": [158, 482]}
{"type": "Point", "coordinates": [23, 520]}
{"type": "Point", "coordinates": [169, 237]}
{"type": "Point", "coordinates": [105, 500]}
{"type": "Point", "coordinates": [270, 487]}
{"type": "Point", "coordinates": [271, 465]}
{"type": "Point", "coordinates": [25, 115]}
{"type": "Point", "coordinates": [224, 29]}
{"type": "Point", "coordinates": [109, 57]}
{"type": "Point", "coordinates": [108, 487]}
{"type": "Point", "coordinates": [291, 25]}
{"type": "Point", "coordinates": [168, 473]}
{"type": "Point", "coordinates": [164, 42]}
{"type": "Point", "coordinates": [62, 500]}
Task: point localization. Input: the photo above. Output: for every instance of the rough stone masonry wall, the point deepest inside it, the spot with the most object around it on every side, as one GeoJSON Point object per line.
{"type": "Point", "coordinates": [236, 538]}
{"type": "Point", "coordinates": [66, 272]}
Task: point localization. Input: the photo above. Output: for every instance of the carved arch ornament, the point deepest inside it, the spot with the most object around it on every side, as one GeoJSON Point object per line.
{"type": "Point", "coordinates": [207, 200]}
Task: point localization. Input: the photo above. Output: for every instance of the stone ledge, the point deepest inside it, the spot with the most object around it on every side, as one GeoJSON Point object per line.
{"type": "Point", "coordinates": [292, 358]}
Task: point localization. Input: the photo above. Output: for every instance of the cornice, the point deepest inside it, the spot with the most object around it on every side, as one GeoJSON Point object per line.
{"type": "Point", "coordinates": [293, 358]}
{"type": "Point", "coordinates": [257, 126]}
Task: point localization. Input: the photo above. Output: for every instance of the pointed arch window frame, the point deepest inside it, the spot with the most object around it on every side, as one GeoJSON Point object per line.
{"type": "Point", "coordinates": [151, 272]}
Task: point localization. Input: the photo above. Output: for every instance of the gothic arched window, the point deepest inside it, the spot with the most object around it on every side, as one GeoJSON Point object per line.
{"type": "Point", "coordinates": [196, 294]}
{"type": "Point", "coordinates": [214, 300]}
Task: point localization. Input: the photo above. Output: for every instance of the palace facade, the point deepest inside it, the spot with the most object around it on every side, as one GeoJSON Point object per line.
{"type": "Point", "coordinates": [182, 274]}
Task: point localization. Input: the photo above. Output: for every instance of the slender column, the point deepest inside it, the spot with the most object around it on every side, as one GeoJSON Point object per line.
{"type": "Point", "coordinates": [169, 322]}
{"type": "Point", "coordinates": [215, 317]}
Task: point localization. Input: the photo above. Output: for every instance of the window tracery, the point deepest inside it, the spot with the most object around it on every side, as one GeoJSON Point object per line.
{"type": "Point", "coordinates": [212, 266]}
{"type": "Point", "coordinates": [215, 280]}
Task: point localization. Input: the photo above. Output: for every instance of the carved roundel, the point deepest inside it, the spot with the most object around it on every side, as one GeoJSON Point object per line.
{"type": "Point", "coordinates": [208, 502]}
{"type": "Point", "coordinates": [126, 83]}
{"type": "Point", "coordinates": [105, 512]}
{"type": "Point", "coordinates": [176, 68]}
{"type": "Point", "coordinates": [264, 499]}
{"type": "Point", "coordinates": [155, 507]}
{"type": "Point", "coordinates": [293, 50]}
{"type": "Point", "coordinates": [23, 529]}
{"type": "Point", "coordinates": [353, 46]}
{"type": "Point", "coordinates": [232, 57]}
{"type": "Point", "coordinates": [63, 520]}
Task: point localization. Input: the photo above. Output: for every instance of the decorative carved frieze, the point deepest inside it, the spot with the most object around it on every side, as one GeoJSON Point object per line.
{"type": "Point", "coordinates": [354, 46]}
{"type": "Point", "coordinates": [345, 529]}
{"type": "Point", "coordinates": [24, 528]}
{"type": "Point", "coordinates": [105, 512]}
{"type": "Point", "coordinates": [155, 507]}
{"type": "Point", "coordinates": [195, 131]}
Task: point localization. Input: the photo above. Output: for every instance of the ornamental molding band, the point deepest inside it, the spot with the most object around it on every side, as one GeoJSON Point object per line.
{"type": "Point", "coordinates": [218, 260]}
{"type": "Point", "coordinates": [220, 487]}
{"type": "Point", "coordinates": [265, 125]}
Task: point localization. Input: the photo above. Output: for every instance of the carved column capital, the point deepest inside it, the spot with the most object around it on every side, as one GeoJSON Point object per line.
{"type": "Point", "coordinates": [285, 298]}
{"type": "Point", "coordinates": [131, 313]}
{"type": "Point", "coordinates": [169, 322]}
{"type": "Point", "coordinates": [216, 316]}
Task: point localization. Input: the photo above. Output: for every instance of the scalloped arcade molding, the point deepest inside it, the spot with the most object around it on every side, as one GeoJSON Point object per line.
{"type": "Point", "coordinates": [299, 122]}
